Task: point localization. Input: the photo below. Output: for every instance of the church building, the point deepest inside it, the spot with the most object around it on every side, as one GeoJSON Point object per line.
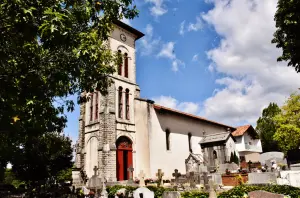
{"type": "Point", "coordinates": [123, 130]}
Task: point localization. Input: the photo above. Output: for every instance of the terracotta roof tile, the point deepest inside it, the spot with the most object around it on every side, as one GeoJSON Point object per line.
{"type": "Point", "coordinates": [240, 130]}
{"type": "Point", "coordinates": [158, 107]}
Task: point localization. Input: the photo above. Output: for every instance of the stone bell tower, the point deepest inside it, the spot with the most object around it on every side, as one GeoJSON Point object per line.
{"type": "Point", "coordinates": [105, 119]}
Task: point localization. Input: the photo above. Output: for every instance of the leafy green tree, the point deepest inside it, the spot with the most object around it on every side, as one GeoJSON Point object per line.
{"type": "Point", "coordinates": [288, 124]}
{"type": "Point", "coordinates": [266, 127]}
{"type": "Point", "coordinates": [65, 175]}
{"type": "Point", "coordinates": [231, 157]}
{"type": "Point", "coordinates": [287, 35]}
{"type": "Point", "coordinates": [235, 158]}
{"type": "Point", "coordinates": [49, 50]}
{"type": "Point", "coordinates": [43, 157]}
{"type": "Point", "coordinates": [10, 178]}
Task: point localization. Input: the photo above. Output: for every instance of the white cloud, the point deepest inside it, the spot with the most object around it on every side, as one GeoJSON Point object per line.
{"type": "Point", "coordinates": [195, 26]}
{"type": "Point", "coordinates": [168, 101]}
{"type": "Point", "coordinates": [158, 7]}
{"type": "Point", "coordinates": [148, 43]}
{"type": "Point", "coordinates": [181, 28]}
{"type": "Point", "coordinates": [247, 59]}
{"type": "Point", "coordinates": [195, 57]}
{"type": "Point", "coordinates": [167, 51]}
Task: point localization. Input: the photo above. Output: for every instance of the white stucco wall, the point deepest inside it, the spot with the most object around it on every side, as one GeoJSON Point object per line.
{"type": "Point", "coordinates": [179, 126]}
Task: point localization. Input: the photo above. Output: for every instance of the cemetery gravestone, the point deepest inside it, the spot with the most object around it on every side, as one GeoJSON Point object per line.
{"type": "Point", "coordinates": [191, 179]}
{"type": "Point", "coordinates": [176, 174]}
{"type": "Point", "coordinates": [263, 194]}
{"type": "Point", "coordinates": [269, 156]}
{"type": "Point", "coordinates": [142, 179]}
{"type": "Point", "coordinates": [262, 178]}
{"type": "Point", "coordinates": [205, 180]}
{"type": "Point", "coordinates": [212, 192]}
{"type": "Point", "coordinates": [143, 192]}
{"type": "Point", "coordinates": [130, 169]}
{"type": "Point", "coordinates": [217, 178]}
{"type": "Point", "coordinates": [159, 175]}
{"type": "Point", "coordinates": [171, 194]}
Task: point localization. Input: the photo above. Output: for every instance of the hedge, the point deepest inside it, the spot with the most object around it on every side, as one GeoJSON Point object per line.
{"type": "Point", "coordinates": [238, 191]}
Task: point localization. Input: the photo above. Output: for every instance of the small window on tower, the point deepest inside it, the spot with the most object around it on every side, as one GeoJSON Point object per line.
{"type": "Point", "coordinates": [91, 107]}
{"type": "Point", "coordinates": [126, 65]}
{"type": "Point", "coordinates": [127, 104]}
{"type": "Point", "coordinates": [96, 106]}
{"type": "Point", "coordinates": [121, 64]}
{"type": "Point", "coordinates": [120, 102]}
{"type": "Point", "coordinates": [168, 139]}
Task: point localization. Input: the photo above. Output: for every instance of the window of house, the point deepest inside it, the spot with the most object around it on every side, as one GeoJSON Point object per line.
{"type": "Point", "coordinates": [126, 65]}
{"type": "Point", "coordinates": [96, 106]}
{"type": "Point", "coordinates": [190, 142]}
{"type": "Point", "coordinates": [127, 104]}
{"type": "Point", "coordinates": [168, 139]}
{"type": "Point", "coordinates": [91, 107]}
{"type": "Point", "coordinates": [120, 102]}
{"type": "Point", "coordinates": [121, 65]}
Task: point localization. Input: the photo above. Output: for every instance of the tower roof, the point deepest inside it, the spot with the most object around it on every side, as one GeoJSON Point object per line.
{"type": "Point", "coordinates": [129, 29]}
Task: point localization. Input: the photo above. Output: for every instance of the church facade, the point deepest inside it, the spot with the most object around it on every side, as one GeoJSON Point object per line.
{"type": "Point", "coordinates": [122, 130]}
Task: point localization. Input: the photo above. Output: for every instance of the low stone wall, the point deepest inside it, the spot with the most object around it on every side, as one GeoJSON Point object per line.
{"type": "Point", "coordinates": [231, 180]}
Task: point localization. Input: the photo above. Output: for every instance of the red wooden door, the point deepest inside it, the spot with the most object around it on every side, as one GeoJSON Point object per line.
{"type": "Point", "coordinates": [124, 158]}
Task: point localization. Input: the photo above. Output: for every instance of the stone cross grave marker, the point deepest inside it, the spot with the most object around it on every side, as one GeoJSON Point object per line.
{"type": "Point", "coordinates": [130, 169]}
{"type": "Point", "coordinates": [191, 179]}
{"type": "Point", "coordinates": [176, 174]}
{"type": "Point", "coordinates": [142, 179]}
{"type": "Point", "coordinates": [160, 174]}
{"type": "Point", "coordinates": [205, 180]}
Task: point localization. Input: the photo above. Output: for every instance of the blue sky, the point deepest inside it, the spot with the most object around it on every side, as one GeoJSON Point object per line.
{"type": "Point", "coordinates": [212, 58]}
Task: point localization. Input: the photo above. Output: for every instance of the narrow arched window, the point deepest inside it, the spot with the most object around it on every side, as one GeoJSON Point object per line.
{"type": "Point", "coordinates": [127, 104]}
{"type": "Point", "coordinates": [96, 106]}
{"type": "Point", "coordinates": [120, 98]}
{"type": "Point", "coordinates": [121, 64]}
{"type": "Point", "coordinates": [168, 139]}
{"type": "Point", "coordinates": [126, 65]}
{"type": "Point", "coordinates": [91, 107]}
{"type": "Point", "coordinates": [190, 142]}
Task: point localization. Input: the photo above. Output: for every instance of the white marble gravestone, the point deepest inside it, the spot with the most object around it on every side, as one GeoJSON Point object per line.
{"type": "Point", "coordinates": [143, 192]}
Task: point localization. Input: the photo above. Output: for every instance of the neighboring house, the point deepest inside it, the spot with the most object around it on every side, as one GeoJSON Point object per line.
{"type": "Point", "coordinates": [247, 143]}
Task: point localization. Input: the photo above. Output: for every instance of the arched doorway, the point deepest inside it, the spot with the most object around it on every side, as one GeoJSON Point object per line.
{"type": "Point", "coordinates": [124, 157]}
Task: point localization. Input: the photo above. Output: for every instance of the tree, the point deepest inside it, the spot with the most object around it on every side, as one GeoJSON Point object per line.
{"type": "Point", "coordinates": [287, 35]}
{"type": "Point", "coordinates": [235, 158]}
{"type": "Point", "coordinates": [43, 157]}
{"type": "Point", "coordinates": [231, 157]}
{"type": "Point", "coordinates": [266, 128]}
{"type": "Point", "coordinates": [49, 50]}
{"type": "Point", "coordinates": [288, 124]}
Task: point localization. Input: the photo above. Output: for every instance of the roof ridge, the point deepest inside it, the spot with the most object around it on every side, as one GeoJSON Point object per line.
{"type": "Point", "coordinates": [191, 115]}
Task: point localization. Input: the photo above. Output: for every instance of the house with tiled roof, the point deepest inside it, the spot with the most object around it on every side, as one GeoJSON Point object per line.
{"type": "Point", "coordinates": [247, 143]}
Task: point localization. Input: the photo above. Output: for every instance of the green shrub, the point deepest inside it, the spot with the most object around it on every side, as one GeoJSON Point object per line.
{"type": "Point", "coordinates": [240, 191]}
{"type": "Point", "coordinates": [194, 194]}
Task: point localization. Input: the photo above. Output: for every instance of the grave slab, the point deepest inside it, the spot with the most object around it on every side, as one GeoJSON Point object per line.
{"type": "Point", "coordinates": [264, 194]}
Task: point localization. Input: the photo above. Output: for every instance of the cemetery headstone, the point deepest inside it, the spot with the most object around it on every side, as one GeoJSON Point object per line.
{"type": "Point", "coordinates": [205, 180]}
{"type": "Point", "coordinates": [263, 194]}
{"type": "Point", "coordinates": [203, 168]}
{"type": "Point", "coordinates": [142, 179]}
{"type": "Point", "coordinates": [159, 175]}
{"type": "Point", "coordinates": [262, 178]}
{"type": "Point", "coordinates": [212, 192]}
{"type": "Point", "coordinates": [176, 174]}
{"type": "Point", "coordinates": [103, 193]}
{"type": "Point", "coordinates": [171, 194]}
{"type": "Point", "coordinates": [120, 193]}
{"type": "Point", "coordinates": [217, 178]}
{"type": "Point", "coordinates": [266, 158]}
{"type": "Point", "coordinates": [143, 192]}
{"type": "Point", "coordinates": [191, 179]}
{"type": "Point", "coordinates": [130, 169]}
